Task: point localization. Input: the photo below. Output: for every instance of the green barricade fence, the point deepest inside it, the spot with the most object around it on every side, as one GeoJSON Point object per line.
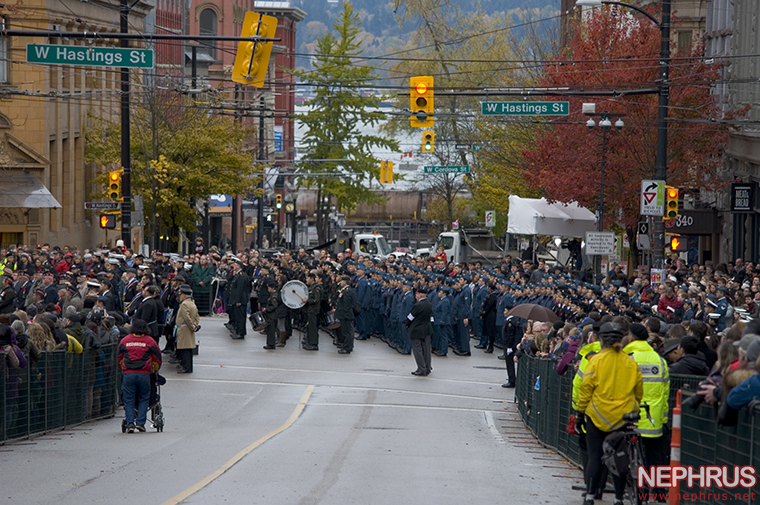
{"type": "Point", "coordinates": [61, 389]}
{"type": "Point", "coordinates": [544, 401]}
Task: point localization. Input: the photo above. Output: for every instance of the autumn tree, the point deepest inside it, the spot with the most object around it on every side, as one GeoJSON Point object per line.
{"type": "Point", "coordinates": [334, 120]}
{"type": "Point", "coordinates": [180, 154]}
{"type": "Point", "coordinates": [613, 50]}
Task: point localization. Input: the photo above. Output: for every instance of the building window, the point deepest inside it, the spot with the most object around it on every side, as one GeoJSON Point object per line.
{"type": "Point", "coordinates": [208, 23]}
{"type": "Point", "coordinates": [684, 41]}
{"type": "Point", "coordinates": [3, 54]}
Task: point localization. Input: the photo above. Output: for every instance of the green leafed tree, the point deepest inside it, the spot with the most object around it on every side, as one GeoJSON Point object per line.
{"type": "Point", "coordinates": [180, 154]}
{"type": "Point", "coordinates": [333, 124]}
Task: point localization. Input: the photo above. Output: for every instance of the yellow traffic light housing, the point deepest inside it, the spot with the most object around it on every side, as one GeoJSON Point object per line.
{"type": "Point", "coordinates": [671, 203]}
{"type": "Point", "coordinates": [678, 243]}
{"type": "Point", "coordinates": [421, 101]}
{"type": "Point", "coordinates": [252, 59]}
{"type": "Point", "coordinates": [108, 221]}
{"type": "Point", "coordinates": [428, 141]}
{"type": "Point", "coordinates": [389, 172]}
{"type": "Point", "coordinates": [114, 185]}
{"type": "Point", "coordinates": [279, 202]}
{"type": "Point", "coordinates": [383, 173]}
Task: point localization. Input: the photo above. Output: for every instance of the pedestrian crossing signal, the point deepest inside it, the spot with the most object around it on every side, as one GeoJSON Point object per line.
{"type": "Point", "coordinates": [108, 221]}
{"type": "Point", "coordinates": [678, 244]}
{"type": "Point", "coordinates": [386, 172]}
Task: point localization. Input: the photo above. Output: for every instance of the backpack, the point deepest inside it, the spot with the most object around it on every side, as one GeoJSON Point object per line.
{"type": "Point", "coordinates": [615, 455]}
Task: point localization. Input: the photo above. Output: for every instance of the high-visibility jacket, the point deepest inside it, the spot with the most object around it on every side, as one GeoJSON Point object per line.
{"type": "Point", "coordinates": [611, 387]}
{"type": "Point", "coordinates": [586, 352]}
{"type": "Point", "coordinates": [654, 374]}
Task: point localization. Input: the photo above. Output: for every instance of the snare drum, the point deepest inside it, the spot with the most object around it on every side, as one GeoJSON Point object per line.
{"type": "Point", "coordinates": [259, 321]}
{"type": "Point", "coordinates": [331, 322]}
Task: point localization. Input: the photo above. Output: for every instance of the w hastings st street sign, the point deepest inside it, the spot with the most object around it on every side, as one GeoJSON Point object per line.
{"type": "Point", "coordinates": [91, 56]}
{"type": "Point", "coordinates": [525, 108]}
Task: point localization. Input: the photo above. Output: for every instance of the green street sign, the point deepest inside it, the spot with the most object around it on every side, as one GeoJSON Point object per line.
{"type": "Point", "coordinates": [525, 108]}
{"type": "Point", "coordinates": [447, 169]}
{"type": "Point", "coordinates": [90, 56]}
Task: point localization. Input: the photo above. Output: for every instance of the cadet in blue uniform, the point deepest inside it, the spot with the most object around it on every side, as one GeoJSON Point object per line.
{"type": "Point", "coordinates": [479, 293]}
{"type": "Point", "coordinates": [406, 302]}
{"type": "Point", "coordinates": [442, 322]}
{"type": "Point", "coordinates": [362, 296]}
{"type": "Point", "coordinates": [460, 311]}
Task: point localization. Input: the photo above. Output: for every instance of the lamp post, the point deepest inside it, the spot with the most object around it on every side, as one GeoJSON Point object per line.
{"type": "Point", "coordinates": [663, 84]}
{"type": "Point", "coordinates": [605, 124]}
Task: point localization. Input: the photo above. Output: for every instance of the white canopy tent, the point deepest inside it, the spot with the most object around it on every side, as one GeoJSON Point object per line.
{"type": "Point", "coordinates": [534, 216]}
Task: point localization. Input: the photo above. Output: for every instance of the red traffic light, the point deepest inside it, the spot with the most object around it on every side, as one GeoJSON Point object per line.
{"type": "Point", "coordinates": [421, 88]}
{"type": "Point", "coordinates": [672, 193]}
{"type": "Point", "coordinates": [114, 176]}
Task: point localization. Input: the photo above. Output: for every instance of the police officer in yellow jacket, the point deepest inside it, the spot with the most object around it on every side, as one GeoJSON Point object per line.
{"type": "Point", "coordinates": [611, 387]}
{"type": "Point", "coordinates": [654, 373]}
{"type": "Point", "coordinates": [585, 353]}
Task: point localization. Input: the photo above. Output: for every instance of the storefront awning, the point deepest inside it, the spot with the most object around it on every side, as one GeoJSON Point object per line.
{"type": "Point", "coordinates": [23, 189]}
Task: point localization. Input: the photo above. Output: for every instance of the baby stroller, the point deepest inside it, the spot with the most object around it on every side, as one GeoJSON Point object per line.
{"type": "Point", "coordinates": [154, 404]}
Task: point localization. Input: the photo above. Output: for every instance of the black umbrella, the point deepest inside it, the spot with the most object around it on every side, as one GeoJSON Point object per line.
{"type": "Point", "coordinates": [533, 312]}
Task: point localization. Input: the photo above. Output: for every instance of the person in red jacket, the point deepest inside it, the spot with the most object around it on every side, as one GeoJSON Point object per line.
{"type": "Point", "coordinates": [668, 303]}
{"type": "Point", "coordinates": [139, 355]}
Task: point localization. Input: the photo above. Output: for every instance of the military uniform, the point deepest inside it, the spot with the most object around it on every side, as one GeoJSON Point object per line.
{"type": "Point", "coordinates": [312, 308]}
{"type": "Point", "coordinates": [344, 312]}
{"type": "Point", "coordinates": [237, 298]}
{"type": "Point", "coordinates": [420, 329]}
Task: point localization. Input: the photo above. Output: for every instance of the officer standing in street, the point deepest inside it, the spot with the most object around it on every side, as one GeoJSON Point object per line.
{"type": "Point", "coordinates": [420, 328]}
{"type": "Point", "coordinates": [344, 312]}
{"type": "Point", "coordinates": [238, 299]}
{"type": "Point", "coordinates": [273, 301]}
{"type": "Point", "coordinates": [313, 303]}
{"type": "Point", "coordinates": [442, 320]}
{"type": "Point", "coordinates": [186, 322]}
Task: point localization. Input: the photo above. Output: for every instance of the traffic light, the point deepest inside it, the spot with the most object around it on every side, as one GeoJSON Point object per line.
{"type": "Point", "coordinates": [677, 243]}
{"type": "Point", "coordinates": [252, 59]}
{"type": "Point", "coordinates": [108, 221]}
{"type": "Point", "coordinates": [428, 141]}
{"type": "Point", "coordinates": [114, 185]}
{"type": "Point", "coordinates": [383, 173]}
{"type": "Point", "coordinates": [279, 201]}
{"type": "Point", "coordinates": [389, 172]}
{"type": "Point", "coordinates": [671, 203]}
{"type": "Point", "coordinates": [421, 101]}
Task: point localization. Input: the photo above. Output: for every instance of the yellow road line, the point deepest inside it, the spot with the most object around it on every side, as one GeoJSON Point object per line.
{"type": "Point", "coordinates": [240, 455]}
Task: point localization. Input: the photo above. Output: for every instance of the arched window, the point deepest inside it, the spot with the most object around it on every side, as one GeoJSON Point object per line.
{"type": "Point", "coordinates": [207, 26]}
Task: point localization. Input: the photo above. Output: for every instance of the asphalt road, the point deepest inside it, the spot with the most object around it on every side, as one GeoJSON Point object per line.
{"type": "Point", "coordinates": [251, 426]}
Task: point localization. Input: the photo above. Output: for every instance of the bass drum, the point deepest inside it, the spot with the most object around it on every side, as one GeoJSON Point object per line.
{"type": "Point", "coordinates": [259, 321]}
{"type": "Point", "coordinates": [293, 293]}
{"type": "Point", "coordinates": [331, 322]}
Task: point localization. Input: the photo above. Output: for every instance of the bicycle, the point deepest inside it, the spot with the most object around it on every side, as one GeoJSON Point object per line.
{"type": "Point", "coordinates": [628, 452]}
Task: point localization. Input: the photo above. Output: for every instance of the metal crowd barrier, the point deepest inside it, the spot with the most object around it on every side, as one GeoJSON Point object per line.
{"type": "Point", "coordinates": [544, 402]}
{"type": "Point", "coordinates": [61, 390]}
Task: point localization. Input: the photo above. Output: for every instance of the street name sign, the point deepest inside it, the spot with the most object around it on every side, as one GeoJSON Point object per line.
{"type": "Point", "coordinates": [91, 56]}
{"type": "Point", "coordinates": [102, 205]}
{"type": "Point", "coordinates": [525, 108]}
{"type": "Point", "coordinates": [652, 198]}
{"type": "Point", "coordinates": [447, 169]}
{"type": "Point", "coordinates": [600, 242]}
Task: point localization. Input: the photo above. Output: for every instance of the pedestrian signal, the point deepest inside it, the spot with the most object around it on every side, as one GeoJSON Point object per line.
{"type": "Point", "coordinates": [678, 244]}
{"type": "Point", "coordinates": [108, 221]}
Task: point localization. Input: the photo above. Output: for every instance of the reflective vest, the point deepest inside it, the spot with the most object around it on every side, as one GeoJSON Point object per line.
{"type": "Point", "coordinates": [654, 373]}
{"type": "Point", "coordinates": [586, 352]}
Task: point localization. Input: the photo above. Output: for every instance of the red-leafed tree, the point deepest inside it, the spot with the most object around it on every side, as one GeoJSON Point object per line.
{"type": "Point", "coordinates": [614, 50]}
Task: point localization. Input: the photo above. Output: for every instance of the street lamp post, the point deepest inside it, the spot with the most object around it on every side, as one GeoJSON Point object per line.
{"type": "Point", "coordinates": [661, 161]}
{"type": "Point", "coordinates": [605, 124]}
